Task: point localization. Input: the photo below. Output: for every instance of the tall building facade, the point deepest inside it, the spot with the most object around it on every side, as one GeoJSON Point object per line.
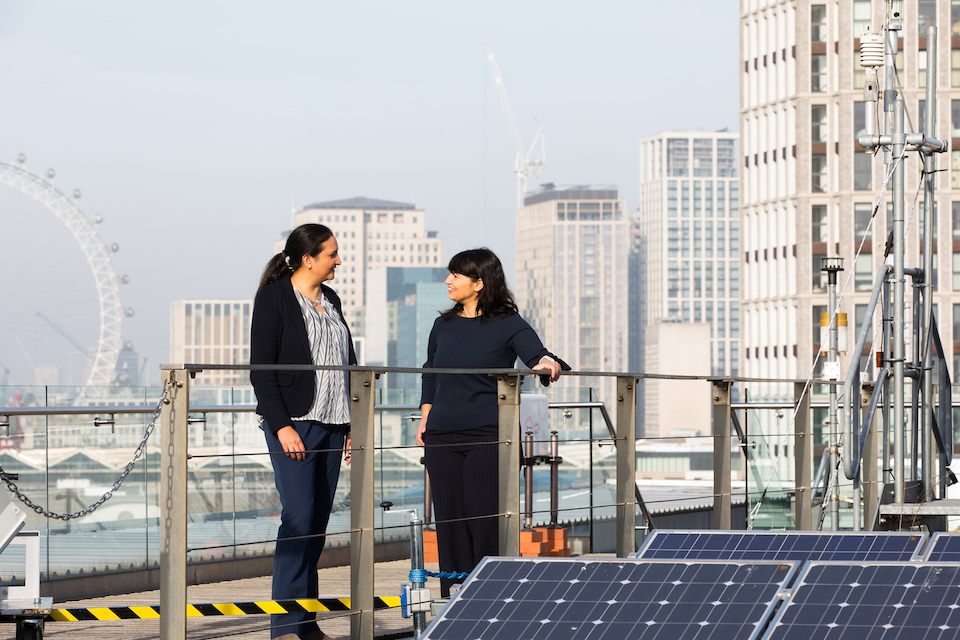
{"type": "Point", "coordinates": [571, 277]}
{"type": "Point", "coordinates": [408, 300]}
{"type": "Point", "coordinates": [373, 233]}
{"type": "Point", "coordinates": [685, 257]}
{"type": "Point", "coordinates": [809, 190]}
{"type": "Point", "coordinates": [212, 332]}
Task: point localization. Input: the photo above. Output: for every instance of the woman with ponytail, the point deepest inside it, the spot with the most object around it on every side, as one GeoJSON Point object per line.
{"type": "Point", "coordinates": [297, 319]}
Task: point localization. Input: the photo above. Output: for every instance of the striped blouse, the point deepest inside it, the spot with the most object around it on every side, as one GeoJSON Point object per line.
{"type": "Point", "coordinates": [327, 333]}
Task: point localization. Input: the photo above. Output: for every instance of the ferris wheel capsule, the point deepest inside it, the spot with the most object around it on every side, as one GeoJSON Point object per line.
{"type": "Point", "coordinates": [129, 312]}
{"type": "Point", "coordinates": [51, 173]}
{"type": "Point", "coordinates": [114, 247]}
{"type": "Point", "coordinates": [21, 158]}
{"type": "Point", "coordinates": [76, 193]}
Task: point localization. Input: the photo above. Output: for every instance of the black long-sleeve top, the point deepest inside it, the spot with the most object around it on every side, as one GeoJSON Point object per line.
{"type": "Point", "coordinates": [279, 336]}
{"type": "Point", "coordinates": [464, 401]}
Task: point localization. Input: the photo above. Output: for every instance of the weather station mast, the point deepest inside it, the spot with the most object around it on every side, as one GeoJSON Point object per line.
{"type": "Point", "coordinates": [917, 488]}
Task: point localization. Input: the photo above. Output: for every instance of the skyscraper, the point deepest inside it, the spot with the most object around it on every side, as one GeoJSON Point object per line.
{"type": "Point", "coordinates": [212, 332]}
{"type": "Point", "coordinates": [809, 189]}
{"type": "Point", "coordinates": [373, 233]}
{"type": "Point", "coordinates": [685, 258]}
{"type": "Point", "coordinates": [571, 279]}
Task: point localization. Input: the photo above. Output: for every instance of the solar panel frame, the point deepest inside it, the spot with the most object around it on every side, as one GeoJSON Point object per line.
{"type": "Point", "coordinates": [943, 547]}
{"type": "Point", "coordinates": [864, 600]}
{"type": "Point", "coordinates": [853, 546]}
{"type": "Point", "coordinates": [579, 598]}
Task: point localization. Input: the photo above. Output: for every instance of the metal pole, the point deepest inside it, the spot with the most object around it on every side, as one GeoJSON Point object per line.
{"type": "Point", "coordinates": [528, 480]}
{"type": "Point", "coordinates": [627, 466]}
{"type": "Point", "coordinates": [832, 369]}
{"type": "Point", "coordinates": [173, 504]}
{"type": "Point", "coordinates": [416, 557]}
{"type": "Point", "coordinates": [554, 478]}
{"type": "Point", "coordinates": [868, 464]}
{"type": "Point", "coordinates": [885, 392]}
{"type": "Point", "coordinates": [929, 171]}
{"type": "Point", "coordinates": [362, 524]}
{"type": "Point", "coordinates": [722, 484]}
{"type": "Point", "coordinates": [899, 141]}
{"type": "Point", "coordinates": [803, 460]}
{"type": "Point", "coordinates": [508, 395]}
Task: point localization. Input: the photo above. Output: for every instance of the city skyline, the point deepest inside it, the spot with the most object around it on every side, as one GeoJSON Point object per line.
{"type": "Point", "coordinates": [197, 133]}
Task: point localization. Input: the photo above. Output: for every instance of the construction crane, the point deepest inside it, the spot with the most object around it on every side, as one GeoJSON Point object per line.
{"type": "Point", "coordinates": [529, 161]}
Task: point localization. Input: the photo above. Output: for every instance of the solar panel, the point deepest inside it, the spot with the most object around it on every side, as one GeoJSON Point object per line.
{"type": "Point", "coordinates": [568, 599]}
{"type": "Point", "coordinates": [857, 601]}
{"type": "Point", "coordinates": [853, 546]}
{"type": "Point", "coordinates": [945, 547]}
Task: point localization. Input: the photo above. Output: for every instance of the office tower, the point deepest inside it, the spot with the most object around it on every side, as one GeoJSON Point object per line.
{"type": "Point", "coordinates": [571, 282]}
{"type": "Point", "coordinates": [373, 233]}
{"type": "Point", "coordinates": [809, 190]}
{"type": "Point", "coordinates": [212, 332]}
{"type": "Point", "coordinates": [685, 262]}
{"type": "Point", "coordinates": [408, 301]}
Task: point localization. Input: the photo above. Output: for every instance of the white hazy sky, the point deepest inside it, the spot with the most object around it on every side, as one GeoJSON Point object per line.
{"type": "Point", "coordinates": [193, 127]}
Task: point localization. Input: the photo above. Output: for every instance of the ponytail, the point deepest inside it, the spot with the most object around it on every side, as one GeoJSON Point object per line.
{"type": "Point", "coordinates": [304, 240]}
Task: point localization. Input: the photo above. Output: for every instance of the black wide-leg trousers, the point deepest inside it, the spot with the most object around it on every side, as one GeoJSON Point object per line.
{"type": "Point", "coordinates": [462, 466]}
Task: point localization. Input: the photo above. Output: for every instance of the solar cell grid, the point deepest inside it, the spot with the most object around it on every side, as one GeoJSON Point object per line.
{"type": "Point", "coordinates": [881, 600]}
{"type": "Point", "coordinates": [945, 547]}
{"type": "Point", "coordinates": [798, 545]}
{"type": "Point", "coordinates": [576, 599]}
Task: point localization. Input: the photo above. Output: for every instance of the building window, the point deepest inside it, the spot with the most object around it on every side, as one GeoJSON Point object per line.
{"type": "Point", "coordinates": [818, 123]}
{"type": "Point", "coordinates": [685, 199]}
{"type": "Point", "coordinates": [862, 171]}
{"type": "Point", "coordinates": [956, 271]}
{"type": "Point", "coordinates": [818, 224]}
{"type": "Point", "coordinates": [956, 325]}
{"type": "Point", "coordinates": [726, 158]}
{"type": "Point", "coordinates": [926, 16]}
{"type": "Point", "coordinates": [862, 231]}
{"type": "Point", "coordinates": [955, 118]}
{"type": "Point", "coordinates": [863, 272]}
{"type": "Point", "coordinates": [862, 18]}
{"type": "Point", "coordinates": [671, 198]}
{"type": "Point", "coordinates": [818, 23]}
{"type": "Point", "coordinates": [818, 73]}
{"type": "Point", "coordinates": [955, 67]}
{"type": "Point", "coordinates": [678, 156]}
{"type": "Point", "coordinates": [673, 239]}
{"type": "Point", "coordinates": [819, 277]}
{"type": "Point", "coordinates": [955, 169]}
{"type": "Point", "coordinates": [818, 172]}
{"type": "Point", "coordinates": [859, 122]}
{"type": "Point", "coordinates": [703, 157]}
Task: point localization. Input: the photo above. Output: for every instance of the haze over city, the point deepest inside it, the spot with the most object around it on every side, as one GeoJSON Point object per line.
{"type": "Point", "coordinates": [195, 129]}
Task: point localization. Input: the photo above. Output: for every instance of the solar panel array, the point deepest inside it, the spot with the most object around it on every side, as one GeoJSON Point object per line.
{"type": "Point", "coordinates": [567, 599]}
{"type": "Point", "coordinates": [858, 601]}
{"type": "Point", "coordinates": [782, 545]}
{"type": "Point", "coordinates": [945, 547]}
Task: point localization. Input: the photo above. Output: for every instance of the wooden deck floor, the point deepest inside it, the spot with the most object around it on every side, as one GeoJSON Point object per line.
{"type": "Point", "coordinates": [334, 583]}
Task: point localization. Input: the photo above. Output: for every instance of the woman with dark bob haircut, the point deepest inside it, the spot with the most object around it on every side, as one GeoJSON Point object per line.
{"type": "Point", "coordinates": [482, 330]}
{"type": "Point", "coordinates": [297, 319]}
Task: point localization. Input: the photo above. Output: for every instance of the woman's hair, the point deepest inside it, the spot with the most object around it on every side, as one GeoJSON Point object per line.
{"type": "Point", "coordinates": [494, 298]}
{"type": "Point", "coordinates": [305, 240]}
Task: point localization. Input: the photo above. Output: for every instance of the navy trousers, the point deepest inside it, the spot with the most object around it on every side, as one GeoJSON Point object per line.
{"type": "Point", "coordinates": [462, 466]}
{"type": "Point", "coordinates": [307, 489]}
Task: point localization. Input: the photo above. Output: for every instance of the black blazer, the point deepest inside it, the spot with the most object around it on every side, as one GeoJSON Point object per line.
{"type": "Point", "coordinates": [279, 336]}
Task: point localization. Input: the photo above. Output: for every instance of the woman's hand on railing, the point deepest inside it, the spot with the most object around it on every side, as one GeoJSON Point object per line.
{"type": "Point", "coordinates": [346, 449]}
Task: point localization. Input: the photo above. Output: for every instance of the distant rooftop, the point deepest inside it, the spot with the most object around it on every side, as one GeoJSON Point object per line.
{"type": "Point", "coordinates": [360, 202]}
{"type": "Point", "coordinates": [549, 191]}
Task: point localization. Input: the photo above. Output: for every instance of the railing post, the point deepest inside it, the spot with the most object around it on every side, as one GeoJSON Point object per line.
{"type": "Point", "coordinates": [722, 484]}
{"type": "Point", "coordinates": [508, 396]}
{"type": "Point", "coordinates": [626, 466]}
{"type": "Point", "coordinates": [361, 503]}
{"type": "Point", "coordinates": [173, 506]}
{"type": "Point", "coordinates": [869, 471]}
{"type": "Point", "coordinates": [803, 459]}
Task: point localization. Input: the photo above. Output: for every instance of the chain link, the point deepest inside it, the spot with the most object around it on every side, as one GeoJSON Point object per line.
{"type": "Point", "coordinates": [167, 386]}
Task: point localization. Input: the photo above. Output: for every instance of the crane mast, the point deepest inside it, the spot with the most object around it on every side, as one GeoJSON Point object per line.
{"type": "Point", "coordinates": [528, 161]}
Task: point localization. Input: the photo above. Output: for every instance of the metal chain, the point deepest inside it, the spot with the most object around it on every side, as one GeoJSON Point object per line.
{"type": "Point", "coordinates": [167, 386]}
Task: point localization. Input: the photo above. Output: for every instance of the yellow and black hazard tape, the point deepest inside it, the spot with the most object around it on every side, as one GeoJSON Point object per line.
{"type": "Point", "coordinates": [221, 609]}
